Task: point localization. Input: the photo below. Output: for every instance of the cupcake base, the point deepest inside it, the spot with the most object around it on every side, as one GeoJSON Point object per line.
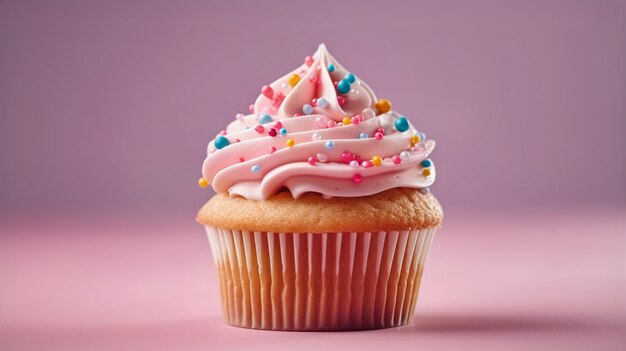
{"type": "Point", "coordinates": [312, 281]}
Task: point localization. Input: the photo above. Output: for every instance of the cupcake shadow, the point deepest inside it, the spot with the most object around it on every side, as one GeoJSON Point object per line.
{"type": "Point", "coordinates": [495, 324]}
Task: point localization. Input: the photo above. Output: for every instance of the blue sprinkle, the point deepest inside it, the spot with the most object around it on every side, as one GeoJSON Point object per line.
{"type": "Point", "coordinates": [363, 136]}
{"type": "Point", "coordinates": [426, 163]}
{"type": "Point", "coordinates": [307, 109]}
{"type": "Point", "coordinates": [255, 169]}
{"type": "Point", "coordinates": [283, 131]}
{"type": "Point", "coordinates": [329, 145]}
{"type": "Point", "coordinates": [422, 136]}
{"type": "Point", "coordinates": [350, 78]}
{"type": "Point", "coordinates": [331, 67]}
{"type": "Point", "coordinates": [321, 102]}
{"type": "Point", "coordinates": [265, 118]}
{"type": "Point", "coordinates": [402, 124]}
{"type": "Point", "coordinates": [343, 87]}
{"type": "Point", "coordinates": [221, 142]}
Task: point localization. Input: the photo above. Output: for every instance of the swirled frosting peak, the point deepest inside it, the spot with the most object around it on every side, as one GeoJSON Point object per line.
{"type": "Point", "coordinates": [318, 129]}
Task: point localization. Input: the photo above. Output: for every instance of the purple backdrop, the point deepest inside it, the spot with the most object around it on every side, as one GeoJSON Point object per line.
{"type": "Point", "coordinates": [108, 106]}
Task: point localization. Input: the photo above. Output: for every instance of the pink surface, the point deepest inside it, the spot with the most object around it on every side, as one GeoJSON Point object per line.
{"type": "Point", "coordinates": [524, 281]}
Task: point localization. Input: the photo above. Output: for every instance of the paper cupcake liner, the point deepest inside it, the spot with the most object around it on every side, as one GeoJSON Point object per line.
{"type": "Point", "coordinates": [313, 281]}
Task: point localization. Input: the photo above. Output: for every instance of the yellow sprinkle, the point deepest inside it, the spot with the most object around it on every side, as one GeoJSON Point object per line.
{"type": "Point", "coordinates": [383, 106]}
{"type": "Point", "coordinates": [346, 121]}
{"type": "Point", "coordinates": [426, 172]}
{"type": "Point", "coordinates": [290, 142]}
{"type": "Point", "coordinates": [203, 183]}
{"type": "Point", "coordinates": [414, 140]}
{"type": "Point", "coordinates": [377, 161]}
{"type": "Point", "coordinates": [294, 79]}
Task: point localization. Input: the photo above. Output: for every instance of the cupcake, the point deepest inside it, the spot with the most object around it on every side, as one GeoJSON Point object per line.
{"type": "Point", "coordinates": [322, 218]}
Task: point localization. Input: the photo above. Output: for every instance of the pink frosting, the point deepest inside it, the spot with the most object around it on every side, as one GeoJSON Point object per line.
{"type": "Point", "coordinates": [258, 162]}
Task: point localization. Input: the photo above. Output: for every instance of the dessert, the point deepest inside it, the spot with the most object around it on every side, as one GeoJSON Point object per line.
{"type": "Point", "coordinates": [323, 217]}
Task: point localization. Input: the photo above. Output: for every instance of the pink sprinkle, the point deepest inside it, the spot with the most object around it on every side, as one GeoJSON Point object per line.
{"type": "Point", "coordinates": [320, 122]}
{"type": "Point", "coordinates": [259, 129]}
{"type": "Point", "coordinates": [236, 141]}
{"type": "Point", "coordinates": [312, 160]}
{"type": "Point", "coordinates": [222, 132]}
{"type": "Point", "coordinates": [360, 117]}
{"type": "Point", "coordinates": [267, 91]}
{"type": "Point", "coordinates": [341, 100]}
{"type": "Point", "coordinates": [241, 159]}
{"type": "Point", "coordinates": [366, 164]}
{"type": "Point", "coordinates": [357, 178]}
{"type": "Point", "coordinates": [314, 102]}
{"type": "Point", "coordinates": [331, 124]}
{"type": "Point", "coordinates": [278, 125]}
{"type": "Point", "coordinates": [308, 61]}
{"type": "Point", "coordinates": [272, 149]}
{"type": "Point", "coordinates": [355, 120]}
{"type": "Point", "coordinates": [239, 117]}
{"type": "Point", "coordinates": [347, 157]}
{"type": "Point", "coordinates": [378, 135]}
{"type": "Point", "coordinates": [381, 131]}
{"type": "Point", "coordinates": [396, 159]}
{"type": "Point", "coordinates": [251, 108]}
{"type": "Point", "coordinates": [273, 132]}
{"type": "Point", "coordinates": [278, 100]}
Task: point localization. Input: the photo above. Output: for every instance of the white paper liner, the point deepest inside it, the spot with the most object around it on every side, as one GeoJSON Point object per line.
{"type": "Point", "coordinates": [312, 281]}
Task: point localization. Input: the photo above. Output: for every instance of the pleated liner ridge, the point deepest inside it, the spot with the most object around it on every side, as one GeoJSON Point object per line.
{"type": "Point", "coordinates": [310, 281]}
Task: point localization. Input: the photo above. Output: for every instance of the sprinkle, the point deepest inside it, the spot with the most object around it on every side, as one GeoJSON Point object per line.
{"type": "Point", "coordinates": [312, 160]}
{"type": "Point", "coordinates": [381, 131]}
{"type": "Point", "coordinates": [221, 142]}
{"type": "Point", "coordinates": [329, 145]}
{"type": "Point", "coordinates": [239, 117]}
{"type": "Point", "coordinates": [307, 109]}
{"type": "Point", "coordinates": [316, 136]}
{"type": "Point", "coordinates": [272, 149]}
{"type": "Point", "coordinates": [293, 80]}
{"type": "Point", "coordinates": [347, 156]}
{"type": "Point", "coordinates": [308, 61]}
{"type": "Point", "coordinates": [273, 132]}
{"type": "Point", "coordinates": [343, 87]}
{"type": "Point", "coordinates": [402, 124]}
{"type": "Point", "coordinates": [355, 120]}
{"type": "Point", "coordinates": [331, 124]}
{"type": "Point", "coordinates": [265, 118]}
{"type": "Point", "coordinates": [363, 136]}
{"type": "Point", "coordinates": [426, 163]}
{"type": "Point", "coordinates": [345, 121]}
{"type": "Point", "coordinates": [203, 183]}
{"type": "Point", "coordinates": [282, 131]}
{"type": "Point", "coordinates": [236, 141]}
{"type": "Point", "coordinates": [350, 78]}
{"type": "Point", "coordinates": [421, 135]}
{"type": "Point", "coordinates": [383, 106]}
{"type": "Point", "coordinates": [378, 135]}
{"type": "Point", "coordinates": [278, 125]}
{"type": "Point", "coordinates": [320, 122]}
{"type": "Point", "coordinates": [377, 161]}
{"type": "Point", "coordinates": [368, 113]}
{"type": "Point", "coordinates": [251, 108]}
{"type": "Point", "coordinates": [241, 159]}
{"type": "Point", "coordinates": [404, 156]}
{"type": "Point", "coordinates": [322, 157]}
{"type": "Point", "coordinates": [267, 91]}
{"type": "Point", "coordinates": [396, 159]}
{"type": "Point", "coordinates": [357, 178]}
{"type": "Point", "coordinates": [255, 169]}
{"type": "Point", "coordinates": [259, 129]}
{"type": "Point", "coordinates": [290, 142]}
{"type": "Point", "coordinates": [354, 164]}
{"type": "Point", "coordinates": [366, 164]}
{"type": "Point", "coordinates": [414, 140]}
{"type": "Point", "coordinates": [331, 68]}
{"type": "Point", "coordinates": [426, 172]}
{"type": "Point", "coordinates": [424, 191]}
{"type": "Point", "coordinates": [222, 132]}
{"type": "Point", "coordinates": [321, 102]}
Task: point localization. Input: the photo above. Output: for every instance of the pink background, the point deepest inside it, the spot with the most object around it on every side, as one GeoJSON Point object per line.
{"type": "Point", "coordinates": [106, 109]}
